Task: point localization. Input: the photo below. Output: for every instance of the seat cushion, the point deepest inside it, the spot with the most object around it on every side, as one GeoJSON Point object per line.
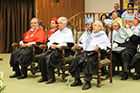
{"type": "Point", "coordinates": [70, 57]}
{"type": "Point", "coordinates": [105, 61]}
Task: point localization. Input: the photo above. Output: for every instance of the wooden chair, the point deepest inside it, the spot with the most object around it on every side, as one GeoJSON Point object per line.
{"type": "Point", "coordinates": [67, 60]}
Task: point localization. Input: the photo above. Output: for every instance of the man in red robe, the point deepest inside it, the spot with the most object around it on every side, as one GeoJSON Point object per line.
{"type": "Point", "coordinates": [23, 55]}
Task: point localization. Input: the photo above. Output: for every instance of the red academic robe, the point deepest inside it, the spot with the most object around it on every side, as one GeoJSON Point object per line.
{"type": "Point", "coordinates": [32, 36]}
{"type": "Point", "coordinates": [50, 32]}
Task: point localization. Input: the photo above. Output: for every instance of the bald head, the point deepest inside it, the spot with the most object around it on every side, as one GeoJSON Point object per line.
{"type": "Point", "coordinates": [97, 26]}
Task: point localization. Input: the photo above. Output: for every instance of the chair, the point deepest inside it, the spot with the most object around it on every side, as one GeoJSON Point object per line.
{"type": "Point", "coordinates": [67, 60]}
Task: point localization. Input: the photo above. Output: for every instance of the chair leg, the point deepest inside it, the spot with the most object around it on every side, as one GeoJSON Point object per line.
{"type": "Point", "coordinates": [33, 70]}
{"type": "Point", "coordinates": [99, 77]}
{"type": "Point", "coordinates": [110, 72]}
{"type": "Point", "coordinates": [58, 71]}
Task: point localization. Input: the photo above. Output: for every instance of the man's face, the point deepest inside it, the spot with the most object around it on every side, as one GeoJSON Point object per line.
{"type": "Point", "coordinates": [53, 24]}
{"type": "Point", "coordinates": [116, 26]}
{"type": "Point", "coordinates": [130, 12]}
{"type": "Point", "coordinates": [128, 22]}
{"type": "Point", "coordinates": [61, 25]}
{"type": "Point", "coordinates": [116, 7]}
{"type": "Point", "coordinates": [34, 24]}
{"type": "Point", "coordinates": [114, 16]}
{"type": "Point", "coordinates": [88, 25]}
{"type": "Point", "coordinates": [130, 7]}
{"type": "Point", "coordinates": [96, 27]}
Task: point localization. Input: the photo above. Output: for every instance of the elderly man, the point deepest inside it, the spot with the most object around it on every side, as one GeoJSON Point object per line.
{"type": "Point", "coordinates": [124, 39]}
{"type": "Point", "coordinates": [116, 26]}
{"type": "Point", "coordinates": [116, 7]}
{"type": "Point", "coordinates": [23, 55]}
{"type": "Point", "coordinates": [53, 57]}
{"type": "Point", "coordinates": [87, 61]}
{"type": "Point", "coordinates": [115, 18]}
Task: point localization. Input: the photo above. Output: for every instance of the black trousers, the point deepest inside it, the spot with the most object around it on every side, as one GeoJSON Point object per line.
{"type": "Point", "coordinates": [127, 56]}
{"type": "Point", "coordinates": [89, 67]}
{"type": "Point", "coordinates": [22, 57]}
{"type": "Point", "coordinates": [136, 62]}
{"type": "Point", "coordinates": [45, 70]}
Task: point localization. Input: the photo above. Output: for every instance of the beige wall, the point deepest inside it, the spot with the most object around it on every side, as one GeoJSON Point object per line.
{"type": "Point", "coordinates": [100, 5]}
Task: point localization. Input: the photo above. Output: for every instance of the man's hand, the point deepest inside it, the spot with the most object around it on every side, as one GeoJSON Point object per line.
{"type": "Point", "coordinates": [24, 45]}
{"type": "Point", "coordinates": [96, 48]}
{"type": "Point", "coordinates": [54, 46]}
{"type": "Point", "coordinates": [113, 47]}
{"type": "Point", "coordinates": [127, 26]}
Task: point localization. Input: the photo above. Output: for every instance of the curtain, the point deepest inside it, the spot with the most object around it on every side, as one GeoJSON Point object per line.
{"type": "Point", "coordinates": [15, 16]}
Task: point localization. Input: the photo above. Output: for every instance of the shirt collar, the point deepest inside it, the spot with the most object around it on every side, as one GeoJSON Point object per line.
{"type": "Point", "coordinates": [33, 30]}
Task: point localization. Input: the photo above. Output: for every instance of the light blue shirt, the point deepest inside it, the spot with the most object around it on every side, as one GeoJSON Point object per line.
{"type": "Point", "coordinates": [99, 39]}
{"type": "Point", "coordinates": [84, 37]}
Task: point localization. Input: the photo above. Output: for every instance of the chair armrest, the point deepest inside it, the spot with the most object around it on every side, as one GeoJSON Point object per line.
{"type": "Point", "coordinates": [42, 46]}
{"type": "Point", "coordinates": [34, 45]}
{"type": "Point", "coordinates": [63, 47]}
{"type": "Point", "coordinates": [15, 44]}
{"type": "Point", "coordinates": [76, 48]}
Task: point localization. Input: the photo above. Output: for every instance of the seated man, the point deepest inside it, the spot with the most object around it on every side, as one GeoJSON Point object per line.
{"type": "Point", "coordinates": [53, 57]}
{"type": "Point", "coordinates": [115, 18]}
{"type": "Point", "coordinates": [53, 26]}
{"type": "Point", "coordinates": [23, 55]}
{"type": "Point", "coordinates": [129, 6]}
{"type": "Point", "coordinates": [87, 61]}
{"type": "Point", "coordinates": [123, 39]}
{"type": "Point", "coordinates": [116, 26]}
{"type": "Point", "coordinates": [116, 7]}
{"type": "Point", "coordinates": [83, 38]}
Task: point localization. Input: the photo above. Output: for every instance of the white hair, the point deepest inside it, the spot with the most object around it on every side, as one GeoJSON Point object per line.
{"type": "Point", "coordinates": [100, 23]}
{"type": "Point", "coordinates": [35, 19]}
{"type": "Point", "coordinates": [64, 19]}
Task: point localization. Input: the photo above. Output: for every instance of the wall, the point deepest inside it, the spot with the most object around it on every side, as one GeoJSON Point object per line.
{"type": "Point", "coordinates": [46, 9]}
{"type": "Point", "coordinates": [100, 5]}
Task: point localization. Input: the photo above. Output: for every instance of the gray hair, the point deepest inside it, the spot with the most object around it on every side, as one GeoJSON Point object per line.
{"type": "Point", "coordinates": [116, 4]}
{"type": "Point", "coordinates": [64, 19]}
{"type": "Point", "coordinates": [116, 13]}
{"type": "Point", "coordinates": [35, 19]}
{"type": "Point", "coordinates": [117, 23]}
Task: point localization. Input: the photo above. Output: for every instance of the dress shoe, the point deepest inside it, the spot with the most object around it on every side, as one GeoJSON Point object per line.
{"type": "Point", "coordinates": [76, 83]}
{"type": "Point", "coordinates": [86, 86]}
{"type": "Point", "coordinates": [137, 77]}
{"type": "Point", "coordinates": [125, 76]}
{"type": "Point", "coordinates": [22, 76]}
{"type": "Point", "coordinates": [42, 79]}
{"type": "Point", "coordinates": [13, 76]}
{"type": "Point", "coordinates": [50, 81]}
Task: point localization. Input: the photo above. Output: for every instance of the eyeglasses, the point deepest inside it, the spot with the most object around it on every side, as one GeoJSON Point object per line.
{"type": "Point", "coordinates": [115, 26]}
{"type": "Point", "coordinates": [130, 12]}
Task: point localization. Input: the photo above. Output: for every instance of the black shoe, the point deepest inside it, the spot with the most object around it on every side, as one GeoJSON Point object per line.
{"type": "Point", "coordinates": [76, 83]}
{"type": "Point", "coordinates": [86, 86]}
{"type": "Point", "coordinates": [13, 76]}
{"type": "Point", "coordinates": [125, 76]}
{"type": "Point", "coordinates": [137, 77]}
{"type": "Point", "coordinates": [22, 76]}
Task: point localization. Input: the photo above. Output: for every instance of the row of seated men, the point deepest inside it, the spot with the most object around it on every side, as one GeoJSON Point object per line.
{"type": "Point", "coordinates": [118, 15]}
{"type": "Point", "coordinates": [91, 40]}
